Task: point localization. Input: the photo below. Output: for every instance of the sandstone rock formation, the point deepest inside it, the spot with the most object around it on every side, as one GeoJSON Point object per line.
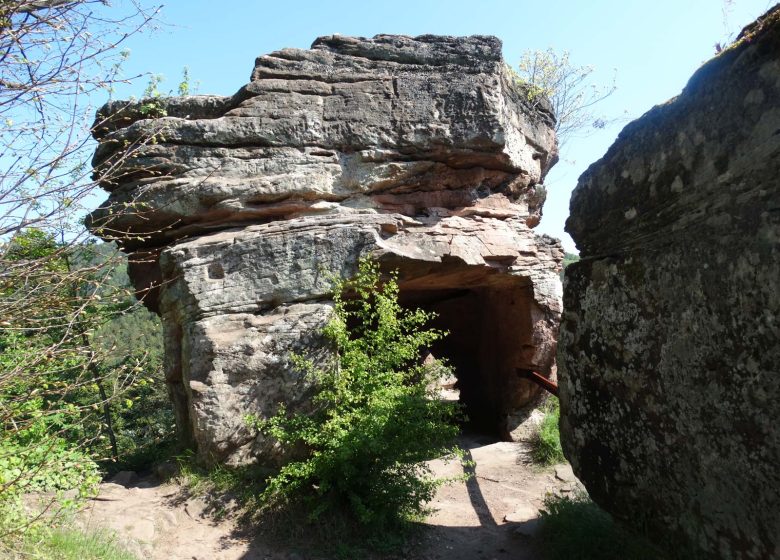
{"type": "Point", "coordinates": [670, 339]}
{"type": "Point", "coordinates": [421, 152]}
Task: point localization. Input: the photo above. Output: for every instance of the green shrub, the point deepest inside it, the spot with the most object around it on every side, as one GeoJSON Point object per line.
{"type": "Point", "coordinates": [376, 418]}
{"type": "Point", "coordinates": [546, 444]}
{"type": "Point", "coordinates": [576, 528]}
{"type": "Point", "coordinates": [34, 461]}
{"type": "Point", "coordinates": [56, 386]}
{"type": "Point", "coordinates": [35, 457]}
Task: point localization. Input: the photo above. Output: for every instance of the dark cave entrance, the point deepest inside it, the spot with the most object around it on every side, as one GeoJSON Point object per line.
{"type": "Point", "coordinates": [489, 317]}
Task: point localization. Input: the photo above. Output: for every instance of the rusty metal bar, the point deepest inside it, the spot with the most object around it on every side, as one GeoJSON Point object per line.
{"type": "Point", "coordinates": [539, 379]}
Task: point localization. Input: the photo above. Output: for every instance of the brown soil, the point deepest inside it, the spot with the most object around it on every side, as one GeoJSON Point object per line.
{"type": "Point", "coordinates": [491, 516]}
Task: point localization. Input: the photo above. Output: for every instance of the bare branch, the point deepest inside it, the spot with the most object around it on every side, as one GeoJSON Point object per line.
{"type": "Point", "coordinates": [551, 76]}
{"type": "Point", "coordinates": [38, 5]}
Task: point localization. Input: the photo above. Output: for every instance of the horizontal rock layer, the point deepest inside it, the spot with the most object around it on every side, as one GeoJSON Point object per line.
{"type": "Point", "coordinates": [393, 123]}
{"type": "Point", "coordinates": [670, 340]}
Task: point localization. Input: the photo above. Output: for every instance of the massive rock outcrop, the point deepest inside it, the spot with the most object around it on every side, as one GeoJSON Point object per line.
{"type": "Point", "coordinates": [421, 152]}
{"type": "Point", "coordinates": [670, 339]}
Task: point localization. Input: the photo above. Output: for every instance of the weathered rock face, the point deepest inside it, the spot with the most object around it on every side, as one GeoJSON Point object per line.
{"type": "Point", "coordinates": [420, 152]}
{"type": "Point", "coordinates": [670, 339]}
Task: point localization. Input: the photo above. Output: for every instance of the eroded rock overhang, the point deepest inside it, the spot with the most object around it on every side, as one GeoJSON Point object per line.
{"type": "Point", "coordinates": [392, 124]}
{"type": "Point", "coordinates": [670, 338]}
{"type": "Point", "coordinates": [421, 152]}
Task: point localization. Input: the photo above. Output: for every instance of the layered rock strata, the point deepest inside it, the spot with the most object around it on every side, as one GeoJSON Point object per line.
{"type": "Point", "coordinates": [670, 339]}
{"type": "Point", "coordinates": [421, 152]}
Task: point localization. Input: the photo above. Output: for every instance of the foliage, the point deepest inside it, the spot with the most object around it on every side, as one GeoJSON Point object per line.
{"type": "Point", "coordinates": [66, 468]}
{"type": "Point", "coordinates": [153, 100]}
{"type": "Point", "coordinates": [546, 444]}
{"type": "Point", "coordinates": [575, 527]}
{"type": "Point", "coordinates": [552, 76]}
{"type": "Point", "coordinates": [376, 418]}
{"type": "Point", "coordinates": [568, 258]}
{"type": "Point", "coordinates": [64, 379]}
{"type": "Point", "coordinates": [151, 107]}
{"type": "Point", "coordinates": [33, 461]}
{"type": "Point", "coordinates": [185, 84]}
{"type": "Point", "coordinates": [56, 393]}
{"type": "Point", "coordinates": [143, 416]}
{"type": "Point", "coordinates": [56, 383]}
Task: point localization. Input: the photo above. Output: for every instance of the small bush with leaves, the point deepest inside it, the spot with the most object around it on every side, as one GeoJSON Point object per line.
{"type": "Point", "coordinates": [376, 417]}
{"type": "Point", "coordinates": [35, 462]}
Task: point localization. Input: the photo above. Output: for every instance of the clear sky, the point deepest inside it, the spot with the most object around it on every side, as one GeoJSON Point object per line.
{"type": "Point", "coordinates": [654, 45]}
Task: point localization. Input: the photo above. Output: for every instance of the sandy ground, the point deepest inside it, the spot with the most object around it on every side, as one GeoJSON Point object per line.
{"type": "Point", "coordinates": [491, 516]}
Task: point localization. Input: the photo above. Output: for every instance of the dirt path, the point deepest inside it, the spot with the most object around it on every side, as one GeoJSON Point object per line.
{"type": "Point", "coordinates": [492, 516]}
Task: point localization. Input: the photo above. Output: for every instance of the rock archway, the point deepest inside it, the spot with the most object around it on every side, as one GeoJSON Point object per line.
{"type": "Point", "coordinates": [490, 318]}
{"type": "Point", "coordinates": [421, 152]}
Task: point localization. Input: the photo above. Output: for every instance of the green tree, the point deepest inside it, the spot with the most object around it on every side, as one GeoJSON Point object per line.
{"type": "Point", "coordinates": [59, 376]}
{"type": "Point", "coordinates": [143, 415]}
{"type": "Point", "coordinates": [42, 375]}
{"type": "Point", "coordinates": [568, 258]}
{"type": "Point", "coordinates": [377, 417]}
{"type": "Point", "coordinates": [55, 57]}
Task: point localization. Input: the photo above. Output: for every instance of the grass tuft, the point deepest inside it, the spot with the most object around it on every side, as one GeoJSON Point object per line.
{"type": "Point", "coordinates": [68, 544]}
{"type": "Point", "coordinates": [576, 528]}
{"type": "Point", "coordinates": [546, 444]}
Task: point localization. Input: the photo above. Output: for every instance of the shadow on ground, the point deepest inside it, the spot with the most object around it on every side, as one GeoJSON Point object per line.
{"type": "Point", "coordinates": [493, 515]}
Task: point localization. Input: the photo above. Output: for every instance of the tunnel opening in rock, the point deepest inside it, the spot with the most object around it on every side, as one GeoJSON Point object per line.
{"type": "Point", "coordinates": [489, 320]}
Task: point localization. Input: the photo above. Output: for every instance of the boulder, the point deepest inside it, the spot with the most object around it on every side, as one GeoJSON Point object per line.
{"type": "Point", "coordinates": [670, 339]}
{"type": "Point", "coordinates": [422, 153]}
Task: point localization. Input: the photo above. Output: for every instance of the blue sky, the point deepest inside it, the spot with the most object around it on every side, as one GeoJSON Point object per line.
{"type": "Point", "coordinates": [654, 45]}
